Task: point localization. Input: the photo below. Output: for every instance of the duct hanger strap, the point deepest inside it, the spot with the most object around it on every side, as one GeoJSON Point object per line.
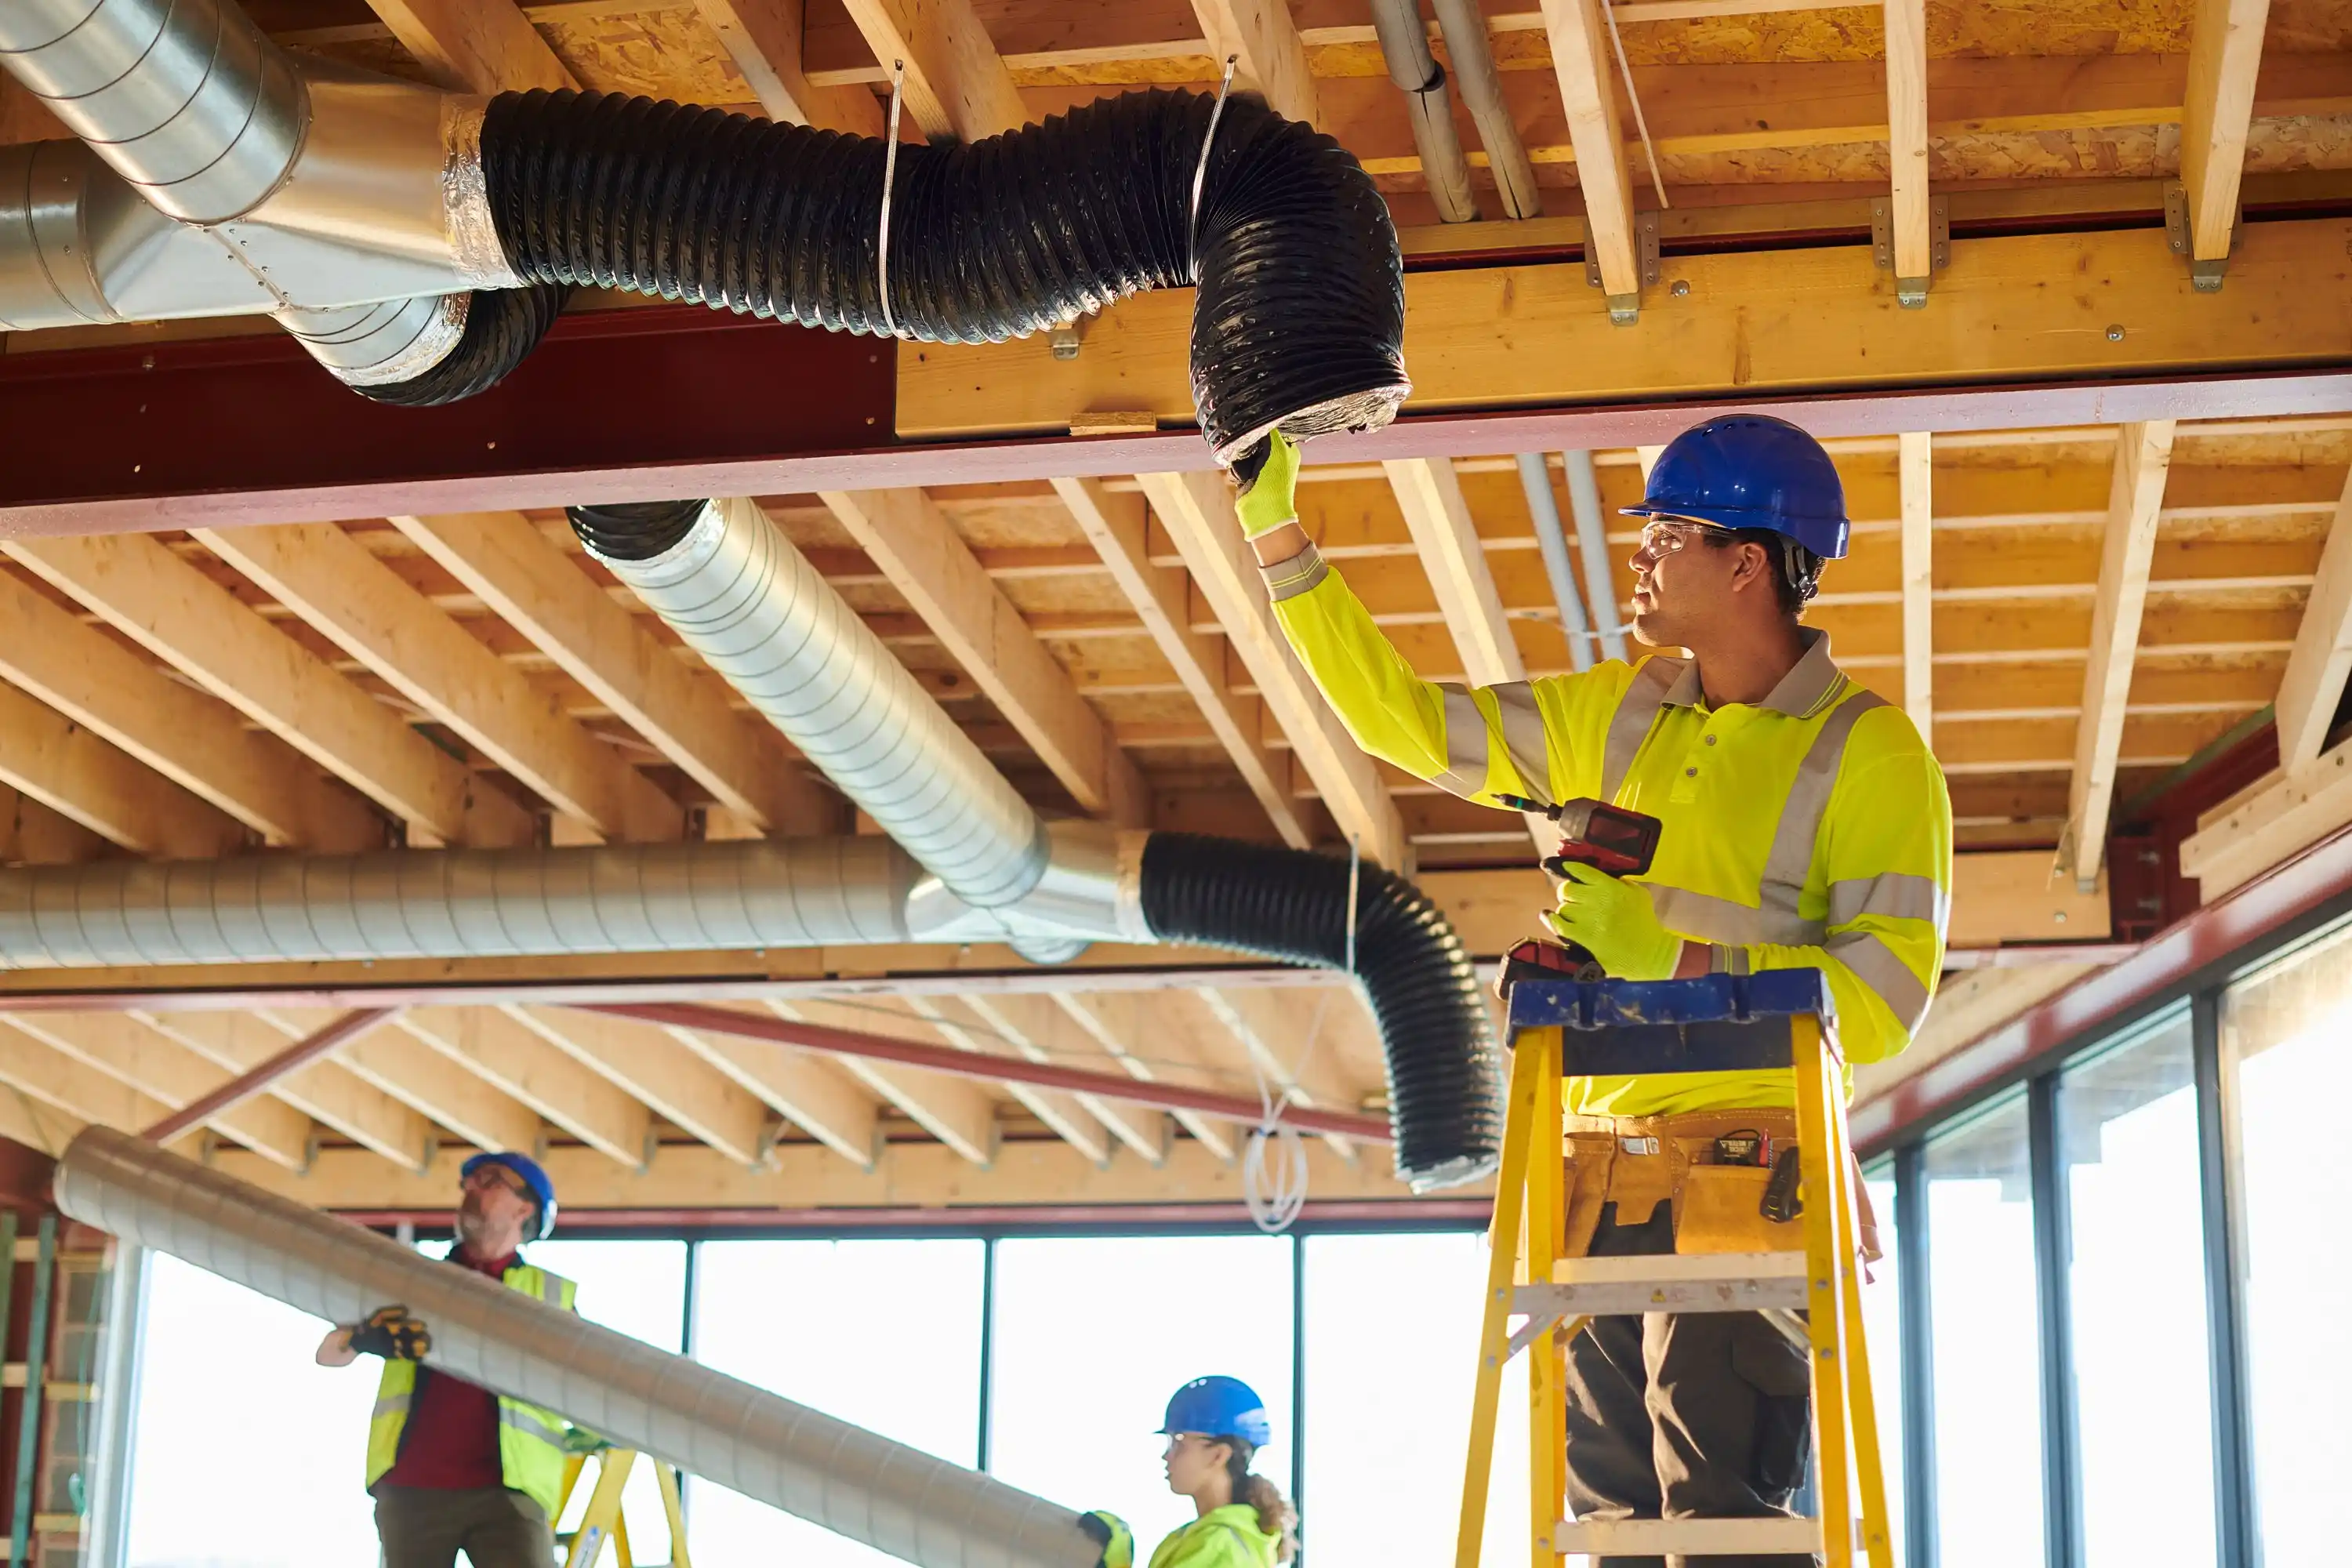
{"type": "Point", "coordinates": [890, 181]}
{"type": "Point", "coordinates": [1200, 169]}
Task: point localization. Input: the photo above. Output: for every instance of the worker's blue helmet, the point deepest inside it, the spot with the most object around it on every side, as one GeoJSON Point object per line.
{"type": "Point", "coordinates": [1219, 1407]}
{"type": "Point", "coordinates": [532, 1176]}
{"type": "Point", "coordinates": [1751, 470]}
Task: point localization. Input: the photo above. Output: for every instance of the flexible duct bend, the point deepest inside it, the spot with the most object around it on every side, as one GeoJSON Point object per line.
{"type": "Point", "coordinates": [921, 1508]}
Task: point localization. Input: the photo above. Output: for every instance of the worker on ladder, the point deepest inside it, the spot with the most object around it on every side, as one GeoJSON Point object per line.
{"type": "Point", "coordinates": [453, 1466]}
{"type": "Point", "coordinates": [1805, 824]}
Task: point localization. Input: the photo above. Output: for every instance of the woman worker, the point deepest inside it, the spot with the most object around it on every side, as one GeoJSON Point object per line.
{"type": "Point", "coordinates": [1214, 1425]}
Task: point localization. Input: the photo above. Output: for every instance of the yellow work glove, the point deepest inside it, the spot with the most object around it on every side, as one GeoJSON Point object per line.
{"type": "Point", "coordinates": [1616, 922]}
{"type": "Point", "coordinates": [1268, 498]}
{"type": "Point", "coordinates": [1110, 1533]}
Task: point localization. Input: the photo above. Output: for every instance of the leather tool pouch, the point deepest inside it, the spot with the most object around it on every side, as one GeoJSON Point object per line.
{"type": "Point", "coordinates": [1721, 1210]}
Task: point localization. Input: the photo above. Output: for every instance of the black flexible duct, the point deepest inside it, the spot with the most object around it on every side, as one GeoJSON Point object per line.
{"type": "Point", "coordinates": [1445, 1072]}
{"type": "Point", "coordinates": [1299, 320]}
{"type": "Point", "coordinates": [502, 325]}
{"type": "Point", "coordinates": [634, 530]}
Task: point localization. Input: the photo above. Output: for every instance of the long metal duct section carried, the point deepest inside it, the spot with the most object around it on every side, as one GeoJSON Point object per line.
{"type": "Point", "coordinates": [912, 1505]}
{"type": "Point", "coordinates": [397, 229]}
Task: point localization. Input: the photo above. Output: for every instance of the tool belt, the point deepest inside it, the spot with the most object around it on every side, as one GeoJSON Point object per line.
{"type": "Point", "coordinates": [1639, 1161]}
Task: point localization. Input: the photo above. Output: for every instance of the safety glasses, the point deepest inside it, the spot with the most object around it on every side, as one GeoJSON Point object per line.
{"type": "Point", "coordinates": [1665, 536]}
{"type": "Point", "coordinates": [499, 1176]}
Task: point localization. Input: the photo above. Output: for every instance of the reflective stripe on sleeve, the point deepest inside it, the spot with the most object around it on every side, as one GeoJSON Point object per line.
{"type": "Point", "coordinates": [1299, 574]}
{"type": "Point", "coordinates": [1523, 737]}
{"type": "Point", "coordinates": [1896, 894]}
{"type": "Point", "coordinates": [1466, 743]}
{"type": "Point", "coordinates": [1875, 965]}
{"type": "Point", "coordinates": [1705, 918]}
{"type": "Point", "coordinates": [1792, 860]}
{"type": "Point", "coordinates": [1722, 960]}
{"type": "Point", "coordinates": [1629, 725]}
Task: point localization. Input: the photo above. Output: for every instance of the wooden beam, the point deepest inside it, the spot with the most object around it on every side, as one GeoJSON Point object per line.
{"type": "Point", "coordinates": [929, 562]}
{"type": "Point", "coordinates": [327, 1092]}
{"type": "Point", "coordinates": [136, 1055]}
{"type": "Point", "coordinates": [1907, 146]}
{"type": "Point", "coordinates": [1197, 510]}
{"type": "Point", "coordinates": [1586, 66]}
{"type": "Point", "coordinates": [419, 1077]}
{"type": "Point", "coordinates": [1063, 1114]}
{"type": "Point", "coordinates": [682, 711]}
{"type": "Point", "coordinates": [516, 1061]}
{"type": "Point", "coordinates": [198, 628]}
{"type": "Point", "coordinates": [956, 1113]}
{"type": "Point", "coordinates": [196, 741]}
{"type": "Point", "coordinates": [1041, 1031]}
{"type": "Point", "coordinates": [1916, 474]}
{"type": "Point", "coordinates": [34, 1067]}
{"type": "Point", "coordinates": [647, 1063]}
{"type": "Point", "coordinates": [328, 578]}
{"type": "Point", "coordinates": [74, 773]}
{"type": "Point", "coordinates": [763, 39]}
{"type": "Point", "coordinates": [1272, 59]}
{"type": "Point", "coordinates": [1277, 1032]}
{"type": "Point", "coordinates": [1438, 517]}
{"type": "Point", "coordinates": [2284, 813]}
{"type": "Point", "coordinates": [957, 85]}
{"type": "Point", "coordinates": [807, 1090]}
{"type": "Point", "coordinates": [475, 46]}
{"type": "Point", "coordinates": [33, 834]}
{"type": "Point", "coordinates": [1129, 1028]}
{"type": "Point", "coordinates": [2225, 53]}
{"type": "Point", "coordinates": [1114, 524]}
{"type": "Point", "coordinates": [2313, 683]}
{"type": "Point", "coordinates": [2143, 454]}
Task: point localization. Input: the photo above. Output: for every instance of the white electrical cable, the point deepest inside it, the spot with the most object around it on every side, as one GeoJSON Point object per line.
{"type": "Point", "coordinates": [1274, 1197]}
{"type": "Point", "coordinates": [891, 178]}
{"type": "Point", "coordinates": [1657, 181]}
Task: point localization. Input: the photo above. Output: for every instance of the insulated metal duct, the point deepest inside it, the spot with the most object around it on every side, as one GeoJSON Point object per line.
{"type": "Point", "coordinates": [912, 1505]}
{"type": "Point", "coordinates": [1472, 54]}
{"type": "Point", "coordinates": [1592, 538]}
{"type": "Point", "coordinates": [1404, 45]}
{"type": "Point", "coordinates": [1535, 480]}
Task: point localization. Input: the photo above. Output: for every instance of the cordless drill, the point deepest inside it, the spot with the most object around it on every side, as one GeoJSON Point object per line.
{"type": "Point", "coordinates": [1610, 839]}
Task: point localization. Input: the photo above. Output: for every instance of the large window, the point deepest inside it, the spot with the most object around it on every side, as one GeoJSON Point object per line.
{"type": "Point", "coordinates": [2127, 1156]}
{"type": "Point", "coordinates": [1092, 1335]}
{"type": "Point", "coordinates": [2287, 1032]}
{"type": "Point", "coordinates": [882, 1334]}
{"type": "Point", "coordinates": [1987, 1351]}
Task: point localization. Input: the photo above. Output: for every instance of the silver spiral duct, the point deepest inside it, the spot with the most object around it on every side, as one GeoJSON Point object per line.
{"type": "Point", "coordinates": [896, 1499]}
{"type": "Point", "coordinates": [186, 98]}
{"type": "Point", "coordinates": [745, 598]}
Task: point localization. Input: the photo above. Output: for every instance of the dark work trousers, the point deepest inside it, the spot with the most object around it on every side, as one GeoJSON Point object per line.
{"type": "Point", "coordinates": [1689, 1416]}
{"type": "Point", "coordinates": [424, 1527]}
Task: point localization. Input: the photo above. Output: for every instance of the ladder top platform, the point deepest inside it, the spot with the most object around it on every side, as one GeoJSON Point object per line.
{"type": "Point", "coordinates": [1708, 999]}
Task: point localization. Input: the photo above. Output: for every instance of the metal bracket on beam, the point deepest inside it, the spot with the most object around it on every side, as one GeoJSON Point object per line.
{"type": "Point", "coordinates": [1066, 338]}
{"type": "Point", "coordinates": [1624, 310]}
{"type": "Point", "coordinates": [2205, 277]}
{"type": "Point", "coordinates": [1911, 293]}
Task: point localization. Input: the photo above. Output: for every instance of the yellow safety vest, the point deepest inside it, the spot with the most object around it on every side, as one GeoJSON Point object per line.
{"type": "Point", "coordinates": [1227, 1537]}
{"type": "Point", "coordinates": [530, 1440]}
{"type": "Point", "coordinates": [1810, 830]}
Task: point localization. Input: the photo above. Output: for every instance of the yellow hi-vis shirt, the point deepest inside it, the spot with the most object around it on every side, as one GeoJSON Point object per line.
{"type": "Point", "coordinates": [1812, 830]}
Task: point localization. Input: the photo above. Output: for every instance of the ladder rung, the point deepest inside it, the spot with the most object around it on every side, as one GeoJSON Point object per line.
{"type": "Point", "coordinates": [1687, 1537]}
{"type": "Point", "coordinates": [1694, 1282]}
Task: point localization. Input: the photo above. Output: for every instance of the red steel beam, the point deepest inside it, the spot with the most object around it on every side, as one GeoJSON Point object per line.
{"type": "Point", "coordinates": [662, 400]}
{"type": "Point", "coordinates": [990, 1070]}
{"type": "Point", "coordinates": [2163, 963]}
{"type": "Point", "coordinates": [257, 1078]}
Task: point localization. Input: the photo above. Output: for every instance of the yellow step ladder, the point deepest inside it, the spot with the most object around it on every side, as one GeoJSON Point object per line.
{"type": "Point", "coordinates": [603, 1521]}
{"type": "Point", "coordinates": [1676, 1025]}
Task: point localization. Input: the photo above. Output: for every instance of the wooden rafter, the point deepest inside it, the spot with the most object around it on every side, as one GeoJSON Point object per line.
{"type": "Point", "coordinates": [957, 86]}
{"type": "Point", "coordinates": [517, 1062]}
{"type": "Point", "coordinates": [1906, 144]}
{"type": "Point", "coordinates": [414, 1074]}
{"type": "Point", "coordinates": [1916, 463]}
{"type": "Point", "coordinates": [1043, 1032]}
{"type": "Point", "coordinates": [763, 39]}
{"type": "Point", "coordinates": [327, 1091]}
{"type": "Point", "coordinates": [648, 1064]}
{"type": "Point", "coordinates": [475, 46]}
{"type": "Point", "coordinates": [2225, 53]}
{"type": "Point", "coordinates": [2143, 453]}
{"type": "Point", "coordinates": [33, 834]}
{"type": "Point", "coordinates": [1275, 1032]}
{"type": "Point", "coordinates": [956, 1111]}
{"type": "Point", "coordinates": [683, 712]}
{"type": "Point", "coordinates": [1587, 70]}
{"type": "Point", "coordinates": [155, 1065]}
{"type": "Point", "coordinates": [1271, 57]}
{"type": "Point", "coordinates": [1438, 515]}
{"type": "Point", "coordinates": [1131, 1031]}
{"type": "Point", "coordinates": [103, 788]}
{"type": "Point", "coordinates": [2313, 683]}
{"type": "Point", "coordinates": [926, 560]}
{"type": "Point", "coordinates": [329, 579]}
{"type": "Point", "coordinates": [201, 629]}
{"type": "Point", "coordinates": [34, 1067]}
{"type": "Point", "coordinates": [196, 741]}
{"type": "Point", "coordinates": [1197, 512]}
{"type": "Point", "coordinates": [809, 1093]}
{"type": "Point", "coordinates": [1114, 524]}
{"type": "Point", "coordinates": [1069, 1120]}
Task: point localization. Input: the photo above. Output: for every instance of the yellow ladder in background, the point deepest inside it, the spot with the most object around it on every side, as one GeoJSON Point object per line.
{"type": "Point", "coordinates": [603, 1521]}
{"type": "Point", "coordinates": [1526, 1277]}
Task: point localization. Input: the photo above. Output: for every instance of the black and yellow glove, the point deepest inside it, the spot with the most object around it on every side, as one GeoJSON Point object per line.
{"type": "Point", "coordinates": [1110, 1533]}
{"type": "Point", "coordinates": [392, 1334]}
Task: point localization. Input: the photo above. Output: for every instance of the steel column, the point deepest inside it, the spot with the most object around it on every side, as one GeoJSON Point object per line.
{"type": "Point", "coordinates": [2217, 1167]}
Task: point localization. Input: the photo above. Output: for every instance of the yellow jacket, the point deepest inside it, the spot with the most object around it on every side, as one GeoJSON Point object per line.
{"type": "Point", "coordinates": [1227, 1537]}
{"type": "Point", "coordinates": [1808, 831]}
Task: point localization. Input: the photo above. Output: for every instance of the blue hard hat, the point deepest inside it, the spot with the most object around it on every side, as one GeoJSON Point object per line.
{"type": "Point", "coordinates": [532, 1176]}
{"type": "Point", "coordinates": [1219, 1407]}
{"type": "Point", "coordinates": [1751, 470]}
